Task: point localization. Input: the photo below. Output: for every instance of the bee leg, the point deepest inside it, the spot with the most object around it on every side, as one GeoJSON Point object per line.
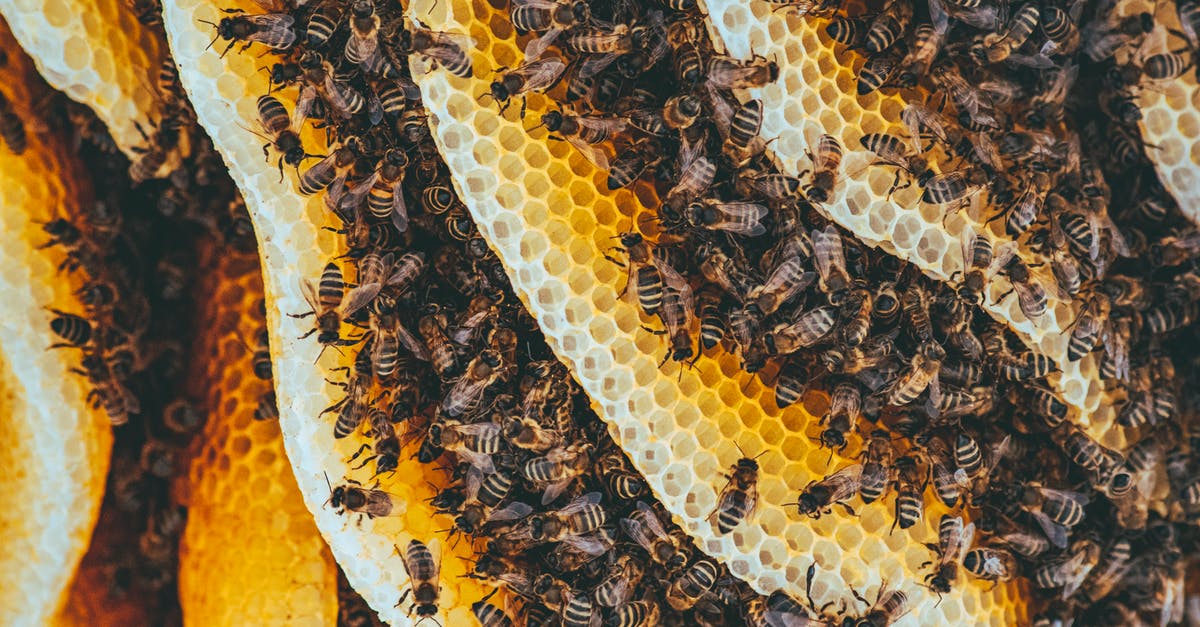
{"type": "Point", "coordinates": [402, 598]}
{"type": "Point", "coordinates": [524, 104]}
{"type": "Point", "coordinates": [655, 331]}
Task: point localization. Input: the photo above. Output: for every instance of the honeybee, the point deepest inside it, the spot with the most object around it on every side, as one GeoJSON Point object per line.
{"type": "Point", "coordinates": [1088, 327]}
{"type": "Point", "coordinates": [557, 469]}
{"type": "Point", "coordinates": [830, 257]}
{"type": "Point", "coordinates": [437, 48]}
{"type": "Point", "coordinates": [644, 528]}
{"type": "Point", "coordinates": [922, 374]}
{"type": "Point", "coordinates": [809, 328]}
{"type": "Point", "coordinates": [998, 46]}
{"type": "Point", "coordinates": [636, 614]}
{"type": "Point", "coordinates": [1056, 511]}
{"type": "Point", "coordinates": [489, 615]}
{"type": "Point", "coordinates": [1070, 571]}
{"type": "Point", "coordinates": [369, 501]}
{"type": "Point", "coordinates": [75, 331]}
{"type": "Point", "coordinates": [330, 173]}
{"type": "Point", "coordinates": [741, 218]}
{"type": "Point", "coordinates": [320, 80]}
{"type": "Point", "coordinates": [604, 46]}
{"type": "Point", "coordinates": [529, 76]}
{"type": "Point", "coordinates": [845, 406]}
{"type": "Point", "coordinates": [273, 30]}
{"type": "Point", "coordinates": [384, 190]}
{"type": "Point", "coordinates": [888, 607]}
{"type": "Point", "coordinates": [677, 313]}
{"type": "Point", "coordinates": [1031, 296]}
{"type": "Point", "coordinates": [584, 131]}
{"type": "Point", "coordinates": [954, 539]}
{"type": "Point", "coordinates": [644, 275]}
{"type": "Point", "coordinates": [1115, 564]}
{"type": "Point", "coordinates": [526, 433]}
{"type": "Point", "coordinates": [363, 43]}
{"type": "Point", "coordinates": [696, 173]}
{"type": "Point", "coordinates": [727, 73]}
{"type": "Point", "coordinates": [786, 280]}
{"type": "Point", "coordinates": [819, 497]}
{"type": "Point", "coordinates": [990, 563]}
{"type": "Point", "coordinates": [694, 583]}
{"type": "Point", "coordinates": [331, 304]}
{"type": "Point", "coordinates": [475, 443]}
{"type": "Point", "coordinates": [570, 524]}
{"type": "Point", "coordinates": [910, 504]}
{"type": "Point", "coordinates": [467, 392]}
{"type": "Point", "coordinates": [432, 328]}
{"type": "Point", "coordinates": [422, 562]}
{"type": "Point", "coordinates": [888, 26]}
{"type": "Point", "coordinates": [826, 162]}
{"type": "Point", "coordinates": [631, 162]}
{"type": "Point", "coordinates": [739, 497]}
{"type": "Point", "coordinates": [891, 150]}
{"type": "Point", "coordinates": [926, 45]}
{"type": "Point", "coordinates": [549, 17]}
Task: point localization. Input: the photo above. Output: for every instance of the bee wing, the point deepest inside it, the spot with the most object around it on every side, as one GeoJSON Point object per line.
{"type": "Point", "coordinates": [271, 6]}
{"type": "Point", "coordinates": [590, 152]}
{"type": "Point", "coordinates": [580, 503]}
{"type": "Point", "coordinates": [554, 490]}
{"type": "Point", "coordinates": [338, 95]}
{"type": "Point", "coordinates": [435, 549]}
{"type": "Point", "coordinates": [374, 108]}
{"type": "Point", "coordinates": [914, 118]}
{"type": "Point", "coordinates": [399, 209]}
{"type": "Point", "coordinates": [968, 538]}
{"type": "Point", "coordinates": [308, 288]}
{"type": "Point", "coordinates": [358, 298]}
{"type": "Point", "coordinates": [513, 511]}
{"type": "Point", "coordinates": [482, 461]}
{"type": "Point", "coordinates": [304, 107]}
{"type": "Point", "coordinates": [473, 482]}
{"type": "Point", "coordinates": [967, 240]}
{"type": "Point", "coordinates": [543, 73]}
{"type": "Point", "coordinates": [831, 241]}
{"type": "Point", "coordinates": [412, 343]}
{"type": "Point", "coordinates": [938, 17]}
{"type": "Point", "coordinates": [589, 544]}
{"type": "Point", "coordinates": [1056, 533]}
{"type": "Point", "coordinates": [605, 124]}
{"type": "Point", "coordinates": [378, 500]}
{"type": "Point", "coordinates": [353, 197]}
{"type": "Point", "coordinates": [595, 64]}
{"type": "Point", "coordinates": [743, 218]}
{"type": "Point", "coordinates": [1080, 499]}
{"type": "Point", "coordinates": [721, 111]}
{"type": "Point", "coordinates": [537, 46]}
{"type": "Point", "coordinates": [650, 519]}
{"type": "Point", "coordinates": [637, 531]}
{"type": "Point", "coordinates": [844, 482]}
{"type": "Point", "coordinates": [1001, 256]}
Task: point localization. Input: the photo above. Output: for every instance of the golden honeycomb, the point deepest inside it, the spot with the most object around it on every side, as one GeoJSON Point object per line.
{"type": "Point", "coordinates": [293, 246]}
{"type": "Point", "coordinates": [56, 447]}
{"type": "Point", "coordinates": [1170, 123]}
{"type": "Point", "coordinates": [815, 94]}
{"type": "Point", "coordinates": [250, 548]}
{"type": "Point", "coordinates": [540, 206]}
{"type": "Point", "coordinates": [96, 52]}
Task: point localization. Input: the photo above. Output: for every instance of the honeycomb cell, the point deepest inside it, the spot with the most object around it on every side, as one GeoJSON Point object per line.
{"type": "Point", "coordinates": [56, 452]}
{"type": "Point", "coordinates": [293, 246]}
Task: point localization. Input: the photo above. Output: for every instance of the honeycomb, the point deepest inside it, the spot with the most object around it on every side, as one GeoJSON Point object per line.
{"type": "Point", "coordinates": [1171, 121]}
{"type": "Point", "coordinates": [540, 206]}
{"type": "Point", "coordinates": [56, 447]}
{"type": "Point", "coordinates": [97, 53]}
{"type": "Point", "coordinates": [250, 549]}
{"type": "Point", "coordinates": [293, 246]}
{"type": "Point", "coordinates": [815, 94]}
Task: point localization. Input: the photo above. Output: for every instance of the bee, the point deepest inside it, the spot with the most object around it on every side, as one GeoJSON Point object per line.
{"type": "Point", "coordinates": [570, 524]}
{"type": "Point", "coordinates": [845, 406]}
{"type": "Point", "coordinates": [602, 46]}
{"type": "Point", "coordinates": [1031, 296]}
{"type": "Point", "coordinates": [329, 301]}
{"type": "Point", "coordinates": [371, 502]}
{"type": "Point", "coordinates": [712, 319]}
{"type": "Point", "coordinates": [579, 611]}
{"type": "Point", "coordinates": [384, 190]}
{"type": "Point", "coordinates": [437, 199]}
{"type": "Point", "coordinates": [990, 563]}
{"type": "Point", "coordinates": [422, 562]}
{"type": "Point", "coordinates": [910, 504]}
{"type": "Point", "coordinates": [816, 8]}
{"type": "Point", "coordinates": [624, 576]}
{"type": "Point", "coordinates": [475, 443]}
{"type": "Point", "coordinates": [549, 17]}
{"type": "Point", "coordinates": [998, 46]}
{"type": "Point", "coordinates": [530, 76]}
{"type": "Point", "coordinates": [395, 94]}
{"type": "Point", "coordinates": [489, 615]}
{"type": "Point", "coordinates": [877, 73]}
{"type": "Point", "coordinates": [321, 26]}
{"type": "Point", "coordinates": [363, 43]}
{"type": "Point", "coordinates": [926, 45]}
{"type": "Point", "coordinates": [785, 281]}
{"type": "Point", "coordinates": [1060, 27]}
{"type": "Point", "coordinates": [557, 469]}
{"type": "Point", "coordinates": [922, 374]}
{"type": "Point", "coordinates": [891, 150]}
{"type": "Point", "coordinates": [955, 186]}
{"type": "Point", "coordinates": [739, 497]}
{"type": "Point", "coordinates": [694, 583]}
{"type": "Point", "coordinates": [12, 128]}
{"type": "Point", "coordinates": [331, 172]}
{"type": "Point", "coordinates": [584, 131]}
{"type": "Point", "coordinates": [742, 141]}
{"type": "Point", "coordinates": [467, 392]}
{"type": "Point", "coordinates": [630, 163]}
{"type": "Point", "coordinates": [677, 313]}
{"type": "Point", "coordinates": [830, 258]}
{"type": "Point", "coordinates": [1088, 327]}
{"type": "Point", "coordinates": [1056, 511]}
{"type": "Point", "coordinates": [75, 331]}
{"type": "Point", "coordinates": [1109, 572]}
{"type": "Point", "coordinates": [644, 528]}
{"type": "Point", "coordinates": [889, 607]}
{"type": "Point", "coordinates": [644, 274]}
{"type": "Point", "coordinates": [636, 614]}
{"type": "Point", "coordinates": [809, 328]}
{"type": "Point", "coordinates": [819, 497]}
{"type": "Point", "coordinates": [741, 218]}
{"type": "Point", "coordinates": [826, 162]}
{"type": "Point", "coordinates": [432, 328]}
{"type": "Point", "coordinates": [1070, 571]}
{"type": "Point", "coordinates": [888, 26]}
{"type": "Point", "coordinates": [1165, 66]}
{"type": "Point", "coordinates": [436, 48]}
{"type": "Point", "coordinates": [526, 433]}
{"type": "Point", "coordinates": [273, 30]}
{"type": "Point", "coordinates": [954, 539]}
{"type": "Point", "coordinates": [877, 466]}
{"type": "Point", "coordinates": [682, 111]}
{"type": "Point", "coordinates": [482, 504]}
{"type": "Point", "coordinates": [1087, 453]}
{"type": "Point", "coordinates": [727, 73]}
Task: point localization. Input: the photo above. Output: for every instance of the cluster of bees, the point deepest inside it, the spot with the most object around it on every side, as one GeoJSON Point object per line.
{"type": "Point", "coordinates": [133, 245]}
{"type": "Point", "coordinates": [1033, 111]}
{"type": "Point", "coordinates": [449, 367]}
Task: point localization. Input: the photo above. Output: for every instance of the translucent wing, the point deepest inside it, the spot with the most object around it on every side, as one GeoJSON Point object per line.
{"type": "Point", "coordinates": [399, 209]}
{"type": "Point", "coordinates": [834, 257]}
{"type": "Point", "coordinates": [590, 544]}
{"type": "Point", "coordinates": [651, 520]}
{"type": "Point", "coordinates": [339, 96]}
{"type": "Point", "coordinates": [967, 239]}
{"type": "Point", "coordinates": [482, 461]}
{"type": "Point", "coordinates": [358, 298]}
{"type": "Point", "coordinates": [353, 197]}
{"type": "Point", "coordinates": [743, 218]}
{"type": "Point", "coordinates": [580, 504]}
{"type": "Point", "coordinates": [590, 152]}
{"type": "Point", "coordinates": [1001, 256]}
{"type": "Point", "coordinates": [1054, 531]}
{"type": "Point", "coordinates": [304, 107]}
{"type": "Point", "coordinates": [595, 64]}
{"type": "Point", "coordinates": [543, 73]}
{"type": "Point", "coordinates": [537, 46]}
{"type": "Point", "coordinates": [309, 289]}
{"type": "Point", "coordinates": [513, 511]}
